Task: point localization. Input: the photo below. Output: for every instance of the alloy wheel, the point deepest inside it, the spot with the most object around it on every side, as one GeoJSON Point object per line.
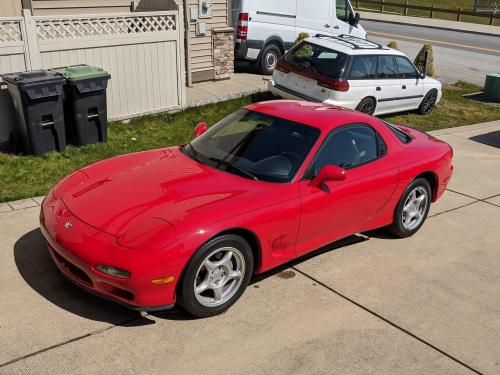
{"type": "Point", "coordinates": [219, 276]}
{"type": "Point", "coordinates": [415, 208]}
{"type": "Point", "coordinates": [429, 102]}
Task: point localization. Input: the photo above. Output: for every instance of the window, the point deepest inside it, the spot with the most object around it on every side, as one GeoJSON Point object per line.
{"type": "Point", "coordinates": [349, 147]}
{"type": "Point", "coordinates": [343, 10]}
{"type": "Point", "coordinates": [406, 68]}
{"type": "Point", "coordinates": [254, 145]}
{"type": "Point", "coordinates": [402, 136]}
{"type": "Point", "coordinates": [363, 67]}
{"type": "Point", "coordinates": [317, 60]}
{"type": "Point", "coordinates": [387, 67]}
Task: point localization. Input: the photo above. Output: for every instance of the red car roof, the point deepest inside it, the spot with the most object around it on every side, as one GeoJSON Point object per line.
{"type": "Point", "coordinates": [323, 116]}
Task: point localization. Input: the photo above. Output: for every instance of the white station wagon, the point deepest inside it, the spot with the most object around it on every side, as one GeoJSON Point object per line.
{"type": "Point", "coordinates": [354, 73]}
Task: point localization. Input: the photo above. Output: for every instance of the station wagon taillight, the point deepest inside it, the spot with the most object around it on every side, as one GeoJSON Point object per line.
{"type": "Point", "coordinates": [334, 84]}
{"type": "Point", "coordinates": [242, 29]}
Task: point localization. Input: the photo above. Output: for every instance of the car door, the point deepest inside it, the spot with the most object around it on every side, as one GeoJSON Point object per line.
{"type": "Point", "coordinates": [387, 85]}
{"type": "Point", "coordinates": [313, 19]}
{"type": "Point", "coordinates": [341, 20]}
{"type": "Point", "coordinates": [412, 88]}
{"type": "Point", "coordinates": [362, 75]}
{"type": "Point", "coordinates": [340, 208]}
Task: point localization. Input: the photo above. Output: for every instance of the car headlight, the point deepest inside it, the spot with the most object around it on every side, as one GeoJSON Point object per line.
{"type": "Point", "coordinates": [150, 233]}
{"type": "Point", "coordinates": [113, 271]}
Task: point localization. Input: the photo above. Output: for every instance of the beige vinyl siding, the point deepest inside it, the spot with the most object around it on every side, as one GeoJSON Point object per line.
{"type": "Point", "coordinates": [75, 7]}
{"type": "Point", "coordinates": [201, 47]}
{"type": "Point", "coordinates": [10, 8]}
{"type": "Point", "coordinates": [152, 5]}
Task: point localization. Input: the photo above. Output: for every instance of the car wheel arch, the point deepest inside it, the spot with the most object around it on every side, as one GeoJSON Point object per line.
{"type": "Point", "coordinates": [433, 180]}
{"type": "Point", "coordinates": [277, 41]}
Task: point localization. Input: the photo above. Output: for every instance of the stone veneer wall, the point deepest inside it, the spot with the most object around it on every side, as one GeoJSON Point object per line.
{"type": "Point", "coordinates": [223, 52]}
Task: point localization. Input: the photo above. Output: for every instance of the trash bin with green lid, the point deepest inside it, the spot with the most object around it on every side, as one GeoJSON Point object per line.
{"type": "Point", "coordinates": [85, 104]}
{"type": "Point", "coordinates": [492, 87]}
{"type": "Point", "coordinates": [38, 99]}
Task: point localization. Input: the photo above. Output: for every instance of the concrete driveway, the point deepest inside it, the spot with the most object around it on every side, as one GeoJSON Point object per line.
{"type": "Point", "coordinates": [369, 304]}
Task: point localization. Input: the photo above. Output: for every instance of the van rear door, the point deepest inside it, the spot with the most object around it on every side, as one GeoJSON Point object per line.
{"type": "Point", "coordinates": [314, 18]}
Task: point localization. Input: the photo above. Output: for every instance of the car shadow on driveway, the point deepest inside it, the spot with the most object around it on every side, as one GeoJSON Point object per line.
{"type": "Point", "coordinates": [489, 139]}
{"type": "Point", "coordinates": [36, 267]}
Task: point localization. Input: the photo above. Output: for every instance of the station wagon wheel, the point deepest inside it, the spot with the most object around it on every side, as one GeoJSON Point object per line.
{"type": "Point", "coordinates": [216, 276]}
{"type": "Point", "coordinates": [428, 103]}
{"type": "Point", "coordinates": [367, 105]}
{"type": "Point", "coordinates": [412, 208]}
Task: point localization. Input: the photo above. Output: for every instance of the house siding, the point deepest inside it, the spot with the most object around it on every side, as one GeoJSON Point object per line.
{"type": "Point", "coordinates": [10, 8]}
{"type": "Point", "coordinates": [75, 7]}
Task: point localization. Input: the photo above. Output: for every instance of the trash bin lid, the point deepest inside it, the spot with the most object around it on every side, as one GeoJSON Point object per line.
{"type": "Point", "coordinates": [33, 77]}
{"type": "Point", "coordinates": [80, 72]}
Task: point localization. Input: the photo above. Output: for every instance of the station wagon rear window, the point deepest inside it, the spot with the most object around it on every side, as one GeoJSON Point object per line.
{"type": "Point", "coordinates": [317, 59]}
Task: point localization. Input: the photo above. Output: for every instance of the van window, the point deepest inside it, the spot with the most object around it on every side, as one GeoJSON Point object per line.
{"type": "Point", "coordinates": [387, 67]}
{"type": "Point", "coordinates": [363, 67]}
{"type": "Point", "coordinates": [343, 10]}
{"type": "Point", "coordinates": [406, 68]}
{"type": "Point", "coordinates": [317, 60]}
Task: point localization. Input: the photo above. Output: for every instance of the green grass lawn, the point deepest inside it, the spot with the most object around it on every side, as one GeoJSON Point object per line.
{"type": "Point", "coordinates": [466, 5]}
{"type": "Point", "coordinates": [29, 176]}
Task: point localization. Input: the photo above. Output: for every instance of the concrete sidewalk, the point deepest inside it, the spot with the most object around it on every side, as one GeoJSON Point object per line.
{"type": "Point", "coordinates": [369, 304]}
{"type": "Point", "coordinates": [240, 84]}
{"type": "Point", "coordinates": [430, 22]}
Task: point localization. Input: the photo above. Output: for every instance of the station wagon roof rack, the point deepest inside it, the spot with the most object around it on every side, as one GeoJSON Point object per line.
{"type": "Point", "coordinates": [352, 41]}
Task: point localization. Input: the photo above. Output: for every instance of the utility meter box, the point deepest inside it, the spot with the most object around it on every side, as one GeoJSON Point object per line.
{"type": "Point", "coordinates": [193, 14]}
{"type": "Point", "coordinates": [205, 8]}
{"type": "Point", "coordinates": [201, 28]}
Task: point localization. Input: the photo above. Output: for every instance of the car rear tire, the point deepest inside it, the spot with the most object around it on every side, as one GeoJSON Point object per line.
{"type": "Point", "coordinates": [216, 276]}
{"type": "Point", "coordinates": [367, 105]}
{"type": "Point", "coordinates": [269, 58]}
{"type": "Point", "coordinates": [412, 209]}
{"type": "Point", "coordinates": [428, 103]}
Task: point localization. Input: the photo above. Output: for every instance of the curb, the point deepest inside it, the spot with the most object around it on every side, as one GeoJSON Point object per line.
{"type": "Point", "coordinates": [430, 27]}
{"type": "Point", "coordinates": [21, 204]}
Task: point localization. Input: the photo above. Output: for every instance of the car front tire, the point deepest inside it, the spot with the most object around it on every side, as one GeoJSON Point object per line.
{"type": "Point", "coordinates": [428, 103]}
{"type": "Point", "coordinates": [216, 276]}
{"type": "Point", "coordinates": [412, 209]}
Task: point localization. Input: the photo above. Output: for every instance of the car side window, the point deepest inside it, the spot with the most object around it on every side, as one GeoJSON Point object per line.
{"type": "Point", "coordinates": [387, 67]}
{"type": "Point", "coordinates": [405, 68]}
{"type": "Point", "coordinates": [349, 147]}
{"type": "Point", "coordinates": [342, 10]}
{"type": "Point", "coordinates": [363, 67]}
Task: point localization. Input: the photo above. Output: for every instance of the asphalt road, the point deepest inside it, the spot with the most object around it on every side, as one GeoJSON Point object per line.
{"type": "Point", "coordinates": [458, 55]}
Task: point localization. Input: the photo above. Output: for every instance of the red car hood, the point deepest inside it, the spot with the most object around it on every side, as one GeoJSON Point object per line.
{"type": "Point", "coordinates": [115, 194]}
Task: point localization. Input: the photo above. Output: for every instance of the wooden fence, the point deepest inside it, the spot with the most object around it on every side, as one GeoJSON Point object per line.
{"type": "Point", "coordinates": [381, 4]}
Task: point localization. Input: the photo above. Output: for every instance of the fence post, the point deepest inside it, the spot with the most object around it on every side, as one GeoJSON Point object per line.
{"type": "Point", "coordinates": [459, 14]}
{"type": "Point", "coordinates": [406, 8]}
{"type": "Point", "coordinates": [357, 4]}
{"type": "Point", "coordinates": [181, 59]}
{"type": "Point", "coordinates": [31, 48]}
{"type": "Point", "coordinates": [432, 10]}
{"type": "Point", "coordinates": [491, 18]}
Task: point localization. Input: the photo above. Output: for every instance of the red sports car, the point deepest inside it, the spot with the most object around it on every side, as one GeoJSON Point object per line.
{"type": "Point", "coordinates": [267, 184]}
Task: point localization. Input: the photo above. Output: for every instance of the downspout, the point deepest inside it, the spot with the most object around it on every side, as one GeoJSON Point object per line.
{"type": "Point", "coordinates": [187, 41]}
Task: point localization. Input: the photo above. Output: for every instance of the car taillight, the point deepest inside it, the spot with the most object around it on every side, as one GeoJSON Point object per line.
{"type": "Point", "coordinates": [242, 29]}
{"type": "Point", "coordinates": [334, 84]}
{"type": "Point", "coordinates": [282, 66]}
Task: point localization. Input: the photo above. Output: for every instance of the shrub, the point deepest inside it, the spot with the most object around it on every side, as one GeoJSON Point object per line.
{"type": "Point", "coordinates": [420, 60]}
{"type": "Point", "coordinates": [393, 44]}
{"type": "Point", "coordinates": [301, 37]}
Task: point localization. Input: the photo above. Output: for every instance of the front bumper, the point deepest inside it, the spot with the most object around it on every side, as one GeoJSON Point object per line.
{"type": "Point", "coordinates": [76, 250]}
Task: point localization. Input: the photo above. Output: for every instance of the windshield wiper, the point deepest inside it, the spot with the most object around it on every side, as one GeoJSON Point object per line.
{"type": "Point", "coordinates": [232, 165]}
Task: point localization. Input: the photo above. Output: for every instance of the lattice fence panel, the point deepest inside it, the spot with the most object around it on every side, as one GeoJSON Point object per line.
{"type": "Point", "coordinates": [71, 28]}
{"type": "Point", "coordinates": [10, 31]}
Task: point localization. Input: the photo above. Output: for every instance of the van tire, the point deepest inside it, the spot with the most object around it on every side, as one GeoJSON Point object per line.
{"type": "Point", "coordinates": [269, 58]}
{"type": "Point", "coordinates": [367, 105]}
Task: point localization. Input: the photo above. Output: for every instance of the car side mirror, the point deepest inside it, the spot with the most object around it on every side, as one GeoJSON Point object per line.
{"type": "Point", "coordinates": [355, 19]}
{"type": "Point", "coordinates": [328, 173]}
{"type": "Point", "coordinates": [200, 129]}
{"type": "Point", "coordinates": [421, 75]}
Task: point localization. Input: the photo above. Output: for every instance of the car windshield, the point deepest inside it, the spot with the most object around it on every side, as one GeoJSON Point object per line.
{"type": "Point", "coordinates": [255, 146]}
{"type": "Point", "coordinates": [317, 59]}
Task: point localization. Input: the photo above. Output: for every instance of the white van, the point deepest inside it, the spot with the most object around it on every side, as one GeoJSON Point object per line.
{"type": "Point", "coordinates": [266, 29]}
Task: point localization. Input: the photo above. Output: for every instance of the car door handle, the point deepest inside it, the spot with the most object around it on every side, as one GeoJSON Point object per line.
{"type": "Point", "coordinates": [327, 25]}
{"type": "Point", "coordinates": [379, 88]}
{"type": "Point", "coordinates": [336, 27]}
{"type": "Point", "coordinates": [404, 87]}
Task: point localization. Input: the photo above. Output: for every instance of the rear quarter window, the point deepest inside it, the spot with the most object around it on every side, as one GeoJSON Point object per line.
{"type": "Point", "coordinates": [402, 136]}
{"type": "Point", "coordinates": [363, 67]}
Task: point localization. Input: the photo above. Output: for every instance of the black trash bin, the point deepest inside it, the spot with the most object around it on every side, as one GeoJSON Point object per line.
{"type": "Point", "coordinates": [38, 99]}
{"type": "Point", "coordinates": [85, 104]}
